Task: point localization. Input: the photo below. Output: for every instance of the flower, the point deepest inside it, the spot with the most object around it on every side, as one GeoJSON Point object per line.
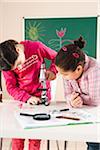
{"type": "Point", "coordinates": [61, 33]}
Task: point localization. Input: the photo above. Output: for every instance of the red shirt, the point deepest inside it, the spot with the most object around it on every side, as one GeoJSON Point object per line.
{"type": "Point", "coordinates": [23, 82]}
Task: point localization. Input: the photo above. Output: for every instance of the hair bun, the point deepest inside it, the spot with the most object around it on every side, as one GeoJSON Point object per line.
{"type": "Point", "coordinates": [79, 42]}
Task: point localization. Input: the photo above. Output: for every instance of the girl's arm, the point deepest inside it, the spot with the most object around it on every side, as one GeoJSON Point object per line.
{"type": "Point", "coordinates": [93, 98]}
{"type": "Point", "coordinates": [13, 89]}
{"type": "Point", "coordinates": [48, 53]}
{"type": "Point", "coordinates": [68, 90]}
{"type": "Point", "coordinates": [73, 98]}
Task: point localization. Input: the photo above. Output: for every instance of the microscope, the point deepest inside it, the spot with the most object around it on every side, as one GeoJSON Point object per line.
{"type": "Point", "coordinates": [42, 80]}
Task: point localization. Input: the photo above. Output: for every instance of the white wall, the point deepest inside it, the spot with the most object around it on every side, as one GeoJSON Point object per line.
{"type": "Point", "coordinates": [12, 13]}
{"type": "Point", "coordinates": [1, 21]}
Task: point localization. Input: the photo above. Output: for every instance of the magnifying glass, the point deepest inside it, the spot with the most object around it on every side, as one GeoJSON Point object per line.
{"type": "Point", "coordinates": [42, 116]}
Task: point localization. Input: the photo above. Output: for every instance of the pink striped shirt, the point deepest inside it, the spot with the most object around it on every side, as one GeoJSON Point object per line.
{"type": "Point", "coordinates": [23, 82]}
{"type": "Point", "coordinates": [88, 85]}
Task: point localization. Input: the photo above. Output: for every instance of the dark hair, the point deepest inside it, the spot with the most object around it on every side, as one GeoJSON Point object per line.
{"type": "Point", "coordinates": [71, 55]}
{"type": "Point", "coordinates": [8, 54]}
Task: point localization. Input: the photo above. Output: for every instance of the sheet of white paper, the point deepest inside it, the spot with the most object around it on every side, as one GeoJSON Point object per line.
{"type": "Point", "coordinates": [29, 122]}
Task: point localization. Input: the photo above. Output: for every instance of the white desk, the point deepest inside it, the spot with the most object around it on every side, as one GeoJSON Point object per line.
{"type": "Point", "coordinates": [9, 127]}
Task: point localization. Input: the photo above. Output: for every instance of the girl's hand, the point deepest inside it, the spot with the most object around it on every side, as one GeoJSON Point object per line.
{"type": "Point", "coordinates": [50, 75]}
{"type": "Point", "coordinates": [34, 100]}
{"type": "Point", "coordinates": [76, 100]}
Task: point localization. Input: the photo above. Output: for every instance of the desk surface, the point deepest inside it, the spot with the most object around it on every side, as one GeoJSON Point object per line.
{"type": "Point", "coordinates": [9, 127]}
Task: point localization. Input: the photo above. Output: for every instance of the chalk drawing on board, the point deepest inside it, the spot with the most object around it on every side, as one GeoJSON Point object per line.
{"type": "Point", "coordinates": [47, 30]}
{"type": "Point", "coordinates": [35, 31]}
{"type": "Point", "coordinates": [57, 43]}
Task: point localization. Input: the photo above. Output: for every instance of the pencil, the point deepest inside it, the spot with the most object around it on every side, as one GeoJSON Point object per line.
{"type": "Point", "coordinates": [66, 117]}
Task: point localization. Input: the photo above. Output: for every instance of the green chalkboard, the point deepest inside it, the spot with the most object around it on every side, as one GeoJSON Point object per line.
{"type": "Point", "coordinates": [56, 32]}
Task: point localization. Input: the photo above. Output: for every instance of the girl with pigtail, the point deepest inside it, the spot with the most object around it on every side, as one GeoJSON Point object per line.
{"type": "Point", "coordinates": [81, 78]}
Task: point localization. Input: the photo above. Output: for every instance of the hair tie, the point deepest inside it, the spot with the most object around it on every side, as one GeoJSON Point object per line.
{"type": "Point", "coordinates": [64, 49]}
{"type": "Point", "coordinates": [76, 55]}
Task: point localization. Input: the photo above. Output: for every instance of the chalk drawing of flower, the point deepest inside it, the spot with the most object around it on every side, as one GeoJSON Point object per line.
{"type": "Point", "coordinates": [57, 43]}
{"type": "Point", "coordinates": [61, 33]}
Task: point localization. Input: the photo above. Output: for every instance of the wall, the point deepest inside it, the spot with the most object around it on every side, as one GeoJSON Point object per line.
{"type": "Point", "coordinates": [12, 14]}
